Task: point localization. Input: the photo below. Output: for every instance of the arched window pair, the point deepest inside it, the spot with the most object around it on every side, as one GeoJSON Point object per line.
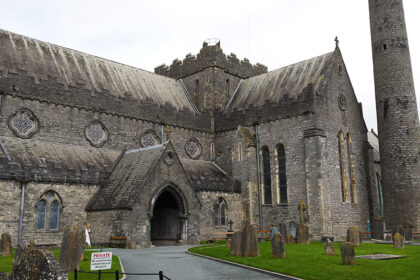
{"type": "Point", "coordinates": [48, 211]}
{"type": "Point", "coordinates": [219, 212]}
{"type": "Point", "coordinates": [350, 168]}
{"type": "Point", "coordinates": [282, 177]}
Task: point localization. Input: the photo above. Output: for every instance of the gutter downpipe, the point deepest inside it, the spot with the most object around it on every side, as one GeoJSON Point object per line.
{"type": "Point", "coordinates": [162, 135]}
{"type": "Point", "coordinates": [259, 176]}
{"type": "Point", "coordinates": [22, 201]}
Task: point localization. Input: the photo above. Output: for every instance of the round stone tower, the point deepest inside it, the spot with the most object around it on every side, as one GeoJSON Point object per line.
{"type": "Point", "coordinates": [398, 120]}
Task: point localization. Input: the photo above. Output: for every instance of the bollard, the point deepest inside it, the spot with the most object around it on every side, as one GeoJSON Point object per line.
{"type": "Point", "coordinates": [160, 275]}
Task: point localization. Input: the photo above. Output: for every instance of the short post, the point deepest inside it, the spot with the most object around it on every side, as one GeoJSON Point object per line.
{"type": "Point", "coordinates": [75, 274]}
{"type": "Point", "coordinates": [117, 275]}
{"type": "Point", "coordinates": [99, 275]}
{"type": "Point", "coordinates": [160, 275]}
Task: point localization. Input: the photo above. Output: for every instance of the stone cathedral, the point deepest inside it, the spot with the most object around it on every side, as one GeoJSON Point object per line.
{"type": "Point", "coordinates": [175, 155]}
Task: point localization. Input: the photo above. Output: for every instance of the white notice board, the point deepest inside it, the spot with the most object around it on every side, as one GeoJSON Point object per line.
{"type": "Point", "coordinates": [101, 260]}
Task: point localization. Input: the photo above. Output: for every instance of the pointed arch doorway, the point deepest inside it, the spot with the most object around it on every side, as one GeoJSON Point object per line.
{"type": "Point", "coordinates": [168, 222]}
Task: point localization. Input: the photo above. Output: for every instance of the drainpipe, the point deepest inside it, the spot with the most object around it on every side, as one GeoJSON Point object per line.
{"type": "Point", "coordinates": [162, 135]}
{"type": "Point", "coordinates": [259, 176]}
{"type": "Point", "coordinates": [22, 201]}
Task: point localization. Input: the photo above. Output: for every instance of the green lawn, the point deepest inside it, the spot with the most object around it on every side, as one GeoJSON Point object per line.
{"type": "Point", "coordinates": [309, 261]}
{"type": "Point", "coordinates": [6, 266]}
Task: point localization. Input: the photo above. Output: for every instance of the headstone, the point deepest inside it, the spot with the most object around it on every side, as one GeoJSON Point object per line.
{"type": "Point", "coordinates": [293, 229]}
{"type": "Point", "coordinates": [278, 246]}
{"type": "Point", "coordinates": [407, 231]}
{"type": "Point", "coordinates": [6, 244]}
{"type": "Point", "coordinates": [72, 246]}
{"type": "Point", "coordinates": [329, 248]}
{"type": "Point", "coordinates": [229, 243]}
{"type": "Point", "coordinates": [32, 245]}
{"type": "Point", "coordinates": [37, 265]}
{"type": "Point", "coordinates": [324, 238]}
{"type": "Point", "coordinates": [398, 241]}
{"type": "Point", "coordinates": [302, 209]}
{"type": "Point", "coordinates": [283, 230]}
{"type": "Point", "coordinates": [302, 235]}
{"type": "Point", "coordinates": [378, 228]}
{"type": "Point", "coordinates": [273, 231]}
{"type": "Point", "coordinates": [347, 254]}
{"type": "Point", "coordinates": [289, 239]}
{"type": "Point", "coordinates": [235, 248]}
{"type": "Point", "coordinates": [249, 242]}
{"type": "Point", "coordinates": [353, 236]}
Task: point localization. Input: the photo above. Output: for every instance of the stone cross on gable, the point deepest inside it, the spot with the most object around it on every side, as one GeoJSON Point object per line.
{"type": "Point", "coordinates": [230, 225]}
{"type": "Point", "coordinates": [167, 131]}
{"type": "Point", "coordinates": [302, 208]}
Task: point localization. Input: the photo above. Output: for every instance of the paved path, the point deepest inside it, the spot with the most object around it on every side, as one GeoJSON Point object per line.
{"type": "Point", "coordinates": [178, 265]}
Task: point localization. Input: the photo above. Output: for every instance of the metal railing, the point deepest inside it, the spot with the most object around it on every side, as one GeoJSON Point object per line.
{"type": "Point", "coordinates": [117, 274]}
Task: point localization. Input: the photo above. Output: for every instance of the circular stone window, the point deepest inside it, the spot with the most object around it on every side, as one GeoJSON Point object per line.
{"type": "Point", "coordinates": [149, 138]}
{"type": "Point", "coordinates": [193, 148]}
{"type": "Point", "coordinates": [96, 133]}
{"type": "Point", "coordinates": [342, 102]}
{"type": "Point", "coordinates": [169, 157]}
{"type": "Point", "coordinates": [23, 123]}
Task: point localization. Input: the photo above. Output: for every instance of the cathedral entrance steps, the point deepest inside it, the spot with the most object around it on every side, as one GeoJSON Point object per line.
{"type": "Point", "coordinates": [166, 242]}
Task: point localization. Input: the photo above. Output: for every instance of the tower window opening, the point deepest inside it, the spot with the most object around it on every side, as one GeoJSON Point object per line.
{"type": "Point", "coordinates": [385, 47]}
{"type": "Point", "coordinates": [197, 86]}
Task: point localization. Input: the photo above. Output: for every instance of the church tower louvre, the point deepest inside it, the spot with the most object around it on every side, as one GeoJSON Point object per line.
{"type": "Point", "coordinates": [397, 115]}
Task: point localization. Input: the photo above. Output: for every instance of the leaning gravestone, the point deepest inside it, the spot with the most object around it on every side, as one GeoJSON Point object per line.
{"type": "Point", "coordinates": [37, 265]}
{"type": "Point", "coordinates": [235, 247]}
{"type": "Point", "coordinates": [72, 246]}
{"type": "Point", "coordinates": [283, 230]}
{"type": "Point", "coordinates": [353, 236]}
{"type": "Point", "coordinates": [278, 246]}
{"type": "Point", "coordinates": [329, 248]}
{"type": "Point", "coordinates": [293, 229]}
{"type": "Point", "coordinates": [398, 241]}
{"type": "Point", "coordinates": [6, 244]}
{"type": "Point", "coordinates": [249, 242]}
{"type": "Point", "coordinates": [302, 235]}
{"type": "Point", "coordinates": [347, 254]}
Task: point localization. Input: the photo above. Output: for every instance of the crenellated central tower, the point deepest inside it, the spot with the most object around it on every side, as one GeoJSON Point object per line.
{"type": "Point", "coordinates": [398, 120]}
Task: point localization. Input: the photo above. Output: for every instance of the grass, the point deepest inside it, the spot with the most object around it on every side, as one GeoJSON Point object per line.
{"type": "Point", "coordinates": [309, 261]}
{"type": "Point", "coordinates": [7, 266]}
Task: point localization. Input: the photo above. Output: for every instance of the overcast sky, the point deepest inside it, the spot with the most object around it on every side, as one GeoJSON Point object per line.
{"type": "Point", "coordinates": [276, 33]}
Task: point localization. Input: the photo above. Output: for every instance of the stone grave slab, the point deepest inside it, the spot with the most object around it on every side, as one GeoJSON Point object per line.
{"type": "Point", "coordinates": [381, 257]}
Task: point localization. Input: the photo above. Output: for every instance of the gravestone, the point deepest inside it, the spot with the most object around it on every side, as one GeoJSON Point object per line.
{"type": "Point", "coordinates": [6, 244]}
{"type": "Point", "coordinates": [289, 239]}
{"type": "Point", "coordinates": [407, 231]}
{"type": "Point", "coordinates": [293, 229]}
{"type": "Point", "coordinates": [32, 245]}
{"type": "Point", "coordinates": [378, 228]}
{"type": "Point", "coordinates": [353, 236]}
{"type": "Point", "coordinates": [347, 254]}
{"type": "Point", "coordinates": [72, 246]}
{"type": "Point", "coordinates": [329, 248]}
{"type": "Point", "coordinates": [283, 230]}
{"type": "Point", "coordinates": [249, 242]}
{"type": "Point", "coordinates": [278, 244]}
{"type": "Point", "coordinates": [229, 243]}
{"type": "Point", "coordinates": [235, 248]}
{"type": "Point", "coordinates": [302, 234]}
{"type": "Point", "coordinates": [37, 265]}
{"type": "Point", "coordinates": [398, 241]}
{"type": "Point", "coordinates": [273, 231]}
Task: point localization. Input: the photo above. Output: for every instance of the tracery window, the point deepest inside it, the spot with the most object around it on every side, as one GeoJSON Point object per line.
{"type": "Point", "coordinates": [219, 212]}
{"type": "Point", "coordinates": [96, 133]}
{"type": "Point", "coordinates": [281, 161]}
{"type": "Point", "coordinates": [266, 175]}
{"type": "Point", "coordinates": [149, 138]}
{"type": "Point", "coordinates": [23, 123]}
{"type": "Point", "coordinates": [343, 177]}
{"type": "Point", "coordinates": [351, 169]}
{"type": "Point", "coordinates": [193, 148]}
{"type": "Point", "coordinates": [48, 209]}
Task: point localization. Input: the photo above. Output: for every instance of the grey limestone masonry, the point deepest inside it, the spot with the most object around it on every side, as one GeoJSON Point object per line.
{"type": "Point", "coordinates": [73, 126]}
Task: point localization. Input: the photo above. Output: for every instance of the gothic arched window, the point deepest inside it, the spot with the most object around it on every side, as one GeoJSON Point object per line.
{"type": "Point", "coordinates": [351, 169]}
{"type": "Point", "coordinates": [281, 161]}
{"type": "Point", "coordinates": [266, 174]}
{"type": "Point", "coordinates": [48, 209]}
{"type": "Point", "coordinates": [219, 212]}
{"type": "Point", "coordinates": [239, 152]}
{"type": "Point", "coordinates": [344, 191]}
{"type": "Point", "coordinates": [380, 198]}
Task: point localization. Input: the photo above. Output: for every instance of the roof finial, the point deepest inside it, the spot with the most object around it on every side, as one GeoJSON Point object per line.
{"type": "Point", "coordinates": [336, 41]}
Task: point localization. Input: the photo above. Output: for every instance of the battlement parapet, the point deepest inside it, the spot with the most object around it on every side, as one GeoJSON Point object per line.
{"type": "Point", "coordinates": [211, 55]}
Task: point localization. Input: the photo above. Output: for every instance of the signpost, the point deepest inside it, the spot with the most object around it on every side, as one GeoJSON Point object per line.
{"type": "Point", "coordinates": [100, 261]}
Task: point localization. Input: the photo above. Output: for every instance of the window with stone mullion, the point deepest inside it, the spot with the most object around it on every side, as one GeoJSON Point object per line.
{"type": "Point", "coordinates": [266, 175]}
{"type": "Point", "coordinates": [281, 159]}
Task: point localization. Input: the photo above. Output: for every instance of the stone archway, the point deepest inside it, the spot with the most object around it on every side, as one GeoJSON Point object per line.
{"type": "Point", "coordinates": [168, 220]}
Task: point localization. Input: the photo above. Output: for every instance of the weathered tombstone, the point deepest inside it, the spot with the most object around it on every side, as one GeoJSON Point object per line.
{"type": "Point", "coordinates": [32, 245]}
{"type": "Point", "coordinates": [283, 230]}
{"type": "Point", "coordinates": [398, 241]}
{"type": "Point", "coordinates": [289, 239]}
{"type": "Point", "coordinates": [229, 243]}
{"type": "Point", "coordinates": [235, 248]}
{"type": "Point", "coordinates": [278, 248]}
{"type": "Point", "coordinates": [273, 231]}
{"type": "Point", "coordinates": [37, 265]}
{"type": "Point", "coordinates": [407, 231]}
{"type": "Point", "coordinates": [329, 248]}
{"type": "Point", "coordinates": [72, 246]}
{"type": "Point", "coordinates": [249, 242]}
{"type": "Point", "coordinates": [302, 235]}
{"type": "Point", "coordinates": [378, 228]}
{"type": "Point", "coordinates": [347, 254]}
{"type": "Point", "coordinates": [293, 229]}
{"type": "Point", "coordinates": [6, 244]}
{"type": "Point", "coordinates": [353, 236]}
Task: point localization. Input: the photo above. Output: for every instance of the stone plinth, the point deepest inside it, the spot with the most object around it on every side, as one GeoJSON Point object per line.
{"type": "Point", "coordinates": [302, 234]}
{"type": "Point", "coordinates": [249, 242]}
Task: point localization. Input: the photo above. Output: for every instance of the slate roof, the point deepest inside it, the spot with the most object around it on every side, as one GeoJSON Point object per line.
{"type": "Point", "coordinates": [43, 61]}
{"type": "Point", "coordinates": [208, 176]}
{"type": "Point", "coordinates": [285, 83]}
{"type": "Point", "coordinates": [31, 160]}
{"type": "Point", "coordinates": [124, 184]}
